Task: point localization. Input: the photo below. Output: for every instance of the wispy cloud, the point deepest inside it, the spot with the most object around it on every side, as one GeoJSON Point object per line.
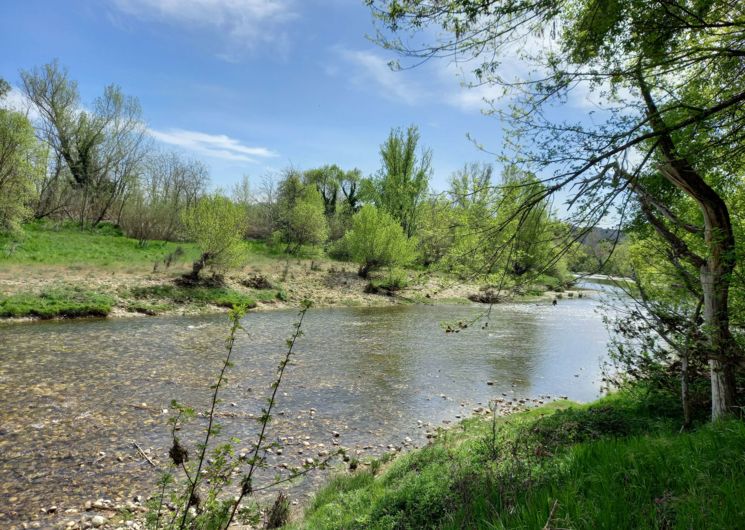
{"type": "Point", "coordinates": [243, 23]}
{"type": "Point", "coordinates": [370, 70]}
{"type": "Point", "coordinates": [212, 145]}
{"type": "Point", "coordinates": [445, 82]}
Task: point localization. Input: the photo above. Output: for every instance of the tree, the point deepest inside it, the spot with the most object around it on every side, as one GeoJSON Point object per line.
{"type": "Point", "coordinates": [377, 240]}
{"type": "Point", "coordinates": [168, 185]}
{"type": "Point", "coordinates": [327, 180]}
{"type": "Point", "coordinates": [529, 228]}
{"type": "Point", "coordinates": [306, 222]}
{"type": "Point", "coordinates": [300, 212]}
{"type": "Point", "coordinates": [350, 188]}
{"type": "Point", "coordinates": [401, 184]}
{"type": "Point", "coordinates": [670, 77]}
{"type": "Point", "coordinates": [22, 161]}
{"type": "Point", "coordinates": [101, 148]}
{"type": "Point", "coordinates": [338, 189]}
{"type": "Point", "coordinates": [216, 225]}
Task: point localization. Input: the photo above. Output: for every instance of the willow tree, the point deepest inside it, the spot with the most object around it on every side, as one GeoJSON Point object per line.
{"type": "Point", "coordinates": [216, 225]}
{"type": "Point", "coordinates": [665, 78]}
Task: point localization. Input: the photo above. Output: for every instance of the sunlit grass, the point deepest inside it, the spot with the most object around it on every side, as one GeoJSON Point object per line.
{"type": "Point", "coordinates": [56, 302]}
{"type": "Point", "coordinates": [617, 463]}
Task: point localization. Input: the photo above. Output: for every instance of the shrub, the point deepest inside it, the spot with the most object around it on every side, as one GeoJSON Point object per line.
{"type": "Point", "coordinates": [215, 223]}
{"type": "Point", "coordinates": [377, 240]}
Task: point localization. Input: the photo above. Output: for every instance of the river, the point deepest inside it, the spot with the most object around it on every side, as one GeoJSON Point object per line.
{"type": "Point", "coordinates": [76, 395]}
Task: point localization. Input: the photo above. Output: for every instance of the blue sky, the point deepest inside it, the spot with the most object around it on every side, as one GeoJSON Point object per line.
{"type": "Point", "coordinates": [253, 86]}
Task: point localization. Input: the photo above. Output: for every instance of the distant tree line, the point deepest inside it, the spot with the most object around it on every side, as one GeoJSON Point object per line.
{"type": "Point", "coordinates": [94, 163]}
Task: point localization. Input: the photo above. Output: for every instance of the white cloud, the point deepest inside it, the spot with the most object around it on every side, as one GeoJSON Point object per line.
{"type": "Point", "coordinates": [372, 70]}
{"type": "Point", "coordinates": [17, 100]}
{"type": "Point", "coordinates": [461, 90]}
{"type": "Point", "coordinates": [212, 145]}
{"type": "Point", "coordinates": [244, 23]}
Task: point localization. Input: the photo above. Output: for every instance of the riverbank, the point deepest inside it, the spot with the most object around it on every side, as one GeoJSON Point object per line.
{"type": "Point", "coordinates": [620, 462]}
{"type": "Point", "coordinates": [67, 273]}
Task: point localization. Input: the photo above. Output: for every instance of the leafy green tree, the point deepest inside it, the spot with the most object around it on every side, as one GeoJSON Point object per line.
{"type": "Point", "coordinates": [525, 221]}
{"type": "Point", "coordinates": [350, 186]}
{"type": "Point", "coordinates": [301, 217]}
{"type": "Point", "coordinates": [306, 222]}
{"type": "Point", "coordinates": [401, 184]}
{"type": "Point", "coordinates": [327, 181]}
{"type": "Point", "coordinates": [215, 224]}
{"type": "Point", "coordinates": [377, 240]}
{"type": "Point", "coordinates": [22, 162]}
{"type": "Point", "coordinates": [339, 191]}
{"type": "Point", "coordinates": [437, 230]}
{"type": "Point", "coordinates": [669, 78]}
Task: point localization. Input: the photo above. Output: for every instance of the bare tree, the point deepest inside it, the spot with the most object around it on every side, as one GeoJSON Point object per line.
{"type": "Point", "coordinates": [168, 185]}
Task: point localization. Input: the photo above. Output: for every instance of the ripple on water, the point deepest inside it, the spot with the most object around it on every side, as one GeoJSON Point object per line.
{"type": "Point", "coordinates": [76, 395]}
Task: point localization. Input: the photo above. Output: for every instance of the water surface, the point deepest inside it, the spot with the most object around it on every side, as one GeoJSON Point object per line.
{"type": "Point", "coordinates": [75, 395]}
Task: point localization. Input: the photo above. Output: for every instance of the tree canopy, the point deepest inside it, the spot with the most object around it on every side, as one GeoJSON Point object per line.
{"type": "Point", "coordinates": [665, 142]}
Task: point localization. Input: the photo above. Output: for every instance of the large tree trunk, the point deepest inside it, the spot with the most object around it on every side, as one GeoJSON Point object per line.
{"type": "Point", "coordinates": [715, 281]}
{"type": "Point", "coordinates": [715, 268]}
{"type": "Point", "coordinates": [715, 276]}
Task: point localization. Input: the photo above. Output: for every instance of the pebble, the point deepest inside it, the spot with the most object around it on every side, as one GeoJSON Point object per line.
{"type": "Point", "coordinates": [98, 520]}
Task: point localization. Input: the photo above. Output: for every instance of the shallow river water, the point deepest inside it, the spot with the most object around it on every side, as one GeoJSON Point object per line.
{"type": "Point", "coordinates": [76, 395]}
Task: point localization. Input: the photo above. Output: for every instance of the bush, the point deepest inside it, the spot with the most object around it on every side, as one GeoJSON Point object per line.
{"type": "Point", "coordinates": [216, 224]}
{"type": "Point", "coordinates": [377, 240]}
{"type": "Point", "coordinates": [394, 281]}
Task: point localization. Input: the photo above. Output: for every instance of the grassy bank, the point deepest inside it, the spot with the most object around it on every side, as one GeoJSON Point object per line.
{"type": "Point", "coordinates": [620, 462]}
{"type": "Point", "coordinates": [104, 247]}
{"type": "Point", "coordinates": [63, 271]}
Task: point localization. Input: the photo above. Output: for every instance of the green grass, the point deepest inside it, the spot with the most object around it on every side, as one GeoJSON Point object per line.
{"type": "Point", "coordinates": [147, 308]}
{"type": "Point", "coordinates": [617, 463]}
{"type": "Point", "coordinates": [56, 302]}
{"type": "Point", "coordinates": [219, 296]}
{"type": "Point", "coordinates": [48, 244]}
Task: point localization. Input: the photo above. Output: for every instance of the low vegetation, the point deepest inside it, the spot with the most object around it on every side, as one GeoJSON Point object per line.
{"type": "Point", "coordinates": [65, 244]}
{"type": "Point", "coordinates": [620, 462]}
{"type": "Point", "coordinates": [56, 302]}
{"type": "Point", "coordinates": [200, 295]}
